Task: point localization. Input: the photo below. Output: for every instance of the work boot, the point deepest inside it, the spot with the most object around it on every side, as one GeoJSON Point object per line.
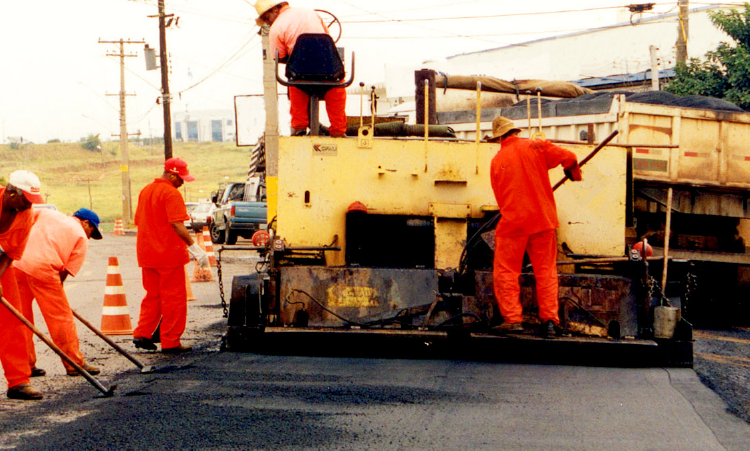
{"type": "Point", "coordinates": [25, 392]}
{"type": "Point", "coordinates": [37, 372]}
{"type": "Point", "coordinates": [505, 328]}
{"type": "Point", "coordinates": [299, 131]}
{"type": "Point", "coordinates": [181, 349]}
{"type": "Point", "coordinates": [92, 370]}
{"type": "Point", "coordinates": [144, 343]}
{"type": "Point", "coordinates": [548, 330]}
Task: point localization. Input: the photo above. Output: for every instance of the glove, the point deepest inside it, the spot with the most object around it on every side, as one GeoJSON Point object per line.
{"type": "Point", "coordinates": [574, 173]}
{"type": "Point", "coordinates": [200, 256]}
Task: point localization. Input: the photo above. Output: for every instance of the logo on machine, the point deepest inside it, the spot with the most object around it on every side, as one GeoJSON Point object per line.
{"type": "Point", "coordinates": [359, 297]}
{"type": "Point", "coordinates": [324, 149]}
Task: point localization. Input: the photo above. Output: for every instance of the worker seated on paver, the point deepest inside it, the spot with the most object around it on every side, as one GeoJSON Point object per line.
{"type": "Point", "coordinates": [287, 24]}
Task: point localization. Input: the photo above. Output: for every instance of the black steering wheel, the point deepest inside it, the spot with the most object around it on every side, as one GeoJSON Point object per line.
{"type": "Point", "coordinates": [332, 22]}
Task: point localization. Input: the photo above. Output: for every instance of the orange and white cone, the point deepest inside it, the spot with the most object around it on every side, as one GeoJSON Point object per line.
{"type": "Point", "coordinates": [118, 227]}
{"type": "Point", "coordinates": [190, 296]}
{"type": "Point", "coordinates": [115, 314]}
{"type": "Point", "coordinates": [209, 247]}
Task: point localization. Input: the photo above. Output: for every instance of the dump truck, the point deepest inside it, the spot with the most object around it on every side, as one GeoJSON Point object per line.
{"type": "Point", "coordinates": [381, 245]}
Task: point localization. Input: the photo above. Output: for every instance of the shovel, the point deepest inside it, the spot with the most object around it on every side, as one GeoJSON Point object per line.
{"type": "Point", "coordinates": [107, 392]}
{"type": "Point", "coordinates": [118, 348]}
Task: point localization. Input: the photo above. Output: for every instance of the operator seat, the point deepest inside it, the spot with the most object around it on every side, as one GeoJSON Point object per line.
{"type": "Point", "coordinates": [315, 67]}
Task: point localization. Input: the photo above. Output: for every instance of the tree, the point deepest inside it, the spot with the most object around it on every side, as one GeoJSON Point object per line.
{"type": "Point", "coordinates": [725, 73]}
{"type": "Point", "coordinates": [92, 143]}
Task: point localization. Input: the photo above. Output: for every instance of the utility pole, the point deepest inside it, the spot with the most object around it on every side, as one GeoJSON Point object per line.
{"type": "Point", "coordinates": [166, 98]}
{"type": "Point", "coordinates": [124, 166]}
{"type": "Point", "coordinates": [683, 31]}
{"type": "Point", "coordinates": [654, 67]}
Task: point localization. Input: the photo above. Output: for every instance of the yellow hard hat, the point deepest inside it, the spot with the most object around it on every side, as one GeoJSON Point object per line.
{"type": "Point", "coordinates": [262, 6]}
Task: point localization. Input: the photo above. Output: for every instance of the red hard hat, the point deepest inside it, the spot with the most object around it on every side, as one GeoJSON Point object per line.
{"type": "Point", "coordinates": [639, 247]}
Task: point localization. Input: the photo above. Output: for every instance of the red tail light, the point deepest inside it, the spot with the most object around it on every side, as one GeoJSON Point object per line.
{"type": "Point", "coordinates": [232, 213]}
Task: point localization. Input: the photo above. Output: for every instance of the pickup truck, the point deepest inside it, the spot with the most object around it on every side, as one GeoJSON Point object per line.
{"type": "Point", "coordinates": [241, 210]}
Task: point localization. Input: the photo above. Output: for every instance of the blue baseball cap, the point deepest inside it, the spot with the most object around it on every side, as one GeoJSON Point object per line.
{"type": "Point", "coordinates": [92, 218]}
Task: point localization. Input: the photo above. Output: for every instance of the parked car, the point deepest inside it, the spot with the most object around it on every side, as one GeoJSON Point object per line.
{"type": "Point", "coordinates": [190, 207]}
{"type": "Point", "coordinates": [201, 216]}
{"type": "Point", "coordinates": [241, 210]}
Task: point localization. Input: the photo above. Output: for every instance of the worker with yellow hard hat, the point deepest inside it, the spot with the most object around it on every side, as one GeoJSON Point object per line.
{"type": "Point", "coordinates": [287, 24]}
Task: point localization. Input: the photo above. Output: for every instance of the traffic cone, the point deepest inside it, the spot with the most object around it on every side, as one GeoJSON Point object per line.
{"type": "Point", "coordinates": [190, 296]}
{"type": "Point", "coordinates": [115, 314]}
{"type": "Point", "coordinates": [209, 247]}
{"type": "Point", "coordinates": [199, 240]}
{"type": "Point", "coordinates": [118, 227]}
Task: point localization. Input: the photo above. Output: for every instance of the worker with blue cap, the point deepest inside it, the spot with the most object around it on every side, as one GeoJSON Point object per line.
{"type": "Point", "coordinates": [56, 249]}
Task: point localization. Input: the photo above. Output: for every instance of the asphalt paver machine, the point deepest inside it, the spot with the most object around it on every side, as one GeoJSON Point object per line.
{"type": "Point", "coordinates": [382, 246]}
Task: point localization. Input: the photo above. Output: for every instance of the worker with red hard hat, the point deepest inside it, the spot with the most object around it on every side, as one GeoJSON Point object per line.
{"type": "Point", "coordinates": [520, 180]}
{"type": "Point", "coordinates": [287, 24]}
{"type": "Point", "coordinates": [164, 247]}
{"type": "Point", "coordinates": [22, 190]}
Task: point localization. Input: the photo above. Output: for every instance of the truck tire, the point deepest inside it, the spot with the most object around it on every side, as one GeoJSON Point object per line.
{"type": "Point", "coordinates": [217, 235]}
{"type": "Point", "coordinates": [231, 236]}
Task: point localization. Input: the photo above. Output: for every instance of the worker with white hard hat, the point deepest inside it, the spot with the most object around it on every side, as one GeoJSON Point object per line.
{"type": "Point", "coordinates": [22, 190]}
{"type": "Point", "coordinates": [287, 24]}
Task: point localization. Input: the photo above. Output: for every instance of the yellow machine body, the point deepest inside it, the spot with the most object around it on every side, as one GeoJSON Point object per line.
{"type": "Point", "coordinates": [448, 180]}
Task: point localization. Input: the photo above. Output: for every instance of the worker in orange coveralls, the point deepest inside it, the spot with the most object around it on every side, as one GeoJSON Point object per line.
{"type": "Point", "coordinates": [287, 24]}
{"type": "Point", "coordinates": [163, 245]}
{"type": "Point", "coordinates": [16, 220]}
{"type": "Point", "coordinates": [520, 180]}
{"type": "Point", "coordinates": [57, 248]}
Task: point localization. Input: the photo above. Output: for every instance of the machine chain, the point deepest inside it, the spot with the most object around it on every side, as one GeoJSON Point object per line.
{"type": "Point", "coordinates": [691, 287]}
{"type": "Point", "coordinates": [654, 290]}
{"type": "Point", "coordinates": [221, 287]}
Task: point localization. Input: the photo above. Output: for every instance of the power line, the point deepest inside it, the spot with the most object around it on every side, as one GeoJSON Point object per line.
{"type": "Point", "coordinates": [570, 30]}
{"type": "Point", "coordinates": [494, 16]}
{"type": "Point", "coordinates": [230, 60]}
{"type": "Point", "coordinates": [407, 22]}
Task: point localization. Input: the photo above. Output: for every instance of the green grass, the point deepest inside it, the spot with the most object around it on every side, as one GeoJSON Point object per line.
{"type": "Point", "coordinates": [67, 171]}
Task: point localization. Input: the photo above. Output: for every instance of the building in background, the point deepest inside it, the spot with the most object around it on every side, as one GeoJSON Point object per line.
{"type": "Point", "coordinates": [612, 57]}
{"type": "Point", "coordinates": [204, 126]}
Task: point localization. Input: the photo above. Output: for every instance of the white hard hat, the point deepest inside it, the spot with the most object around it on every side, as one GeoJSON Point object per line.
{"type": "Point", "coordinates": [29, 183]}
{"type": "Point", "coordinates": [262, 6]}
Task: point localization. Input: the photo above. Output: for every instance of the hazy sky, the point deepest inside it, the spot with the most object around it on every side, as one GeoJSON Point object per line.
{"type": "Point", "coordinates": [56, 77]}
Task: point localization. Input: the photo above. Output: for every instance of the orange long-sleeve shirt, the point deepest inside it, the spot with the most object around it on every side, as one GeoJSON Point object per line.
{"type": "Point", "coordinates": [520, 180]}
{"type": "Point", "coordinates": [57, 242]}
{"type": "Point", "coordinates": [13, 241]}
{"type": "Point", "coordinates": [291, 23]}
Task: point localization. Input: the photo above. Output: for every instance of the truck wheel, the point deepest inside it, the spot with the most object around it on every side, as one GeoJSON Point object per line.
{"type": "Point", "coordinates": [231, 236]}
{"type": "Point", "coordinates": [217, 235]}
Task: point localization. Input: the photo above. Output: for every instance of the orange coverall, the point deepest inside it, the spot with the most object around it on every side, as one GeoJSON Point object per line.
{"type": "Point", "coordinates": [57, 243]}
{"type": "Point", "coordinates": [162, 256]}
{"type": "Point", "coordinates": [520, 180]}
{"type": "Point", "coordinates": [13, 355]}
{"type": "Point", "coordinates": [288, 26]}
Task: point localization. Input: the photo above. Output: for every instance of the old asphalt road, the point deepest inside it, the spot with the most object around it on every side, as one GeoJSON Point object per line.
{"type": "Point", "coordinates": [213, 400]}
